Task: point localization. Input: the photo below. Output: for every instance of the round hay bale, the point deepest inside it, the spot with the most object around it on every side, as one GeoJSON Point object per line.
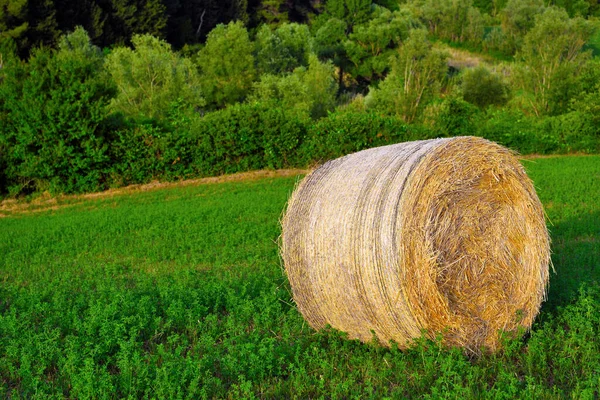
{"type": "Point", "coordinates": [443, 236]}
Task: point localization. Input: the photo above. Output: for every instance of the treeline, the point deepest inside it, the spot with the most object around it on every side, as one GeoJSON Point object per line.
{"type": "Point", "coordinates": [81, 118]}
{"type": "Point", "coordinates": [35, 23]}
{"type": "Point", "coordinates": [32, 23]}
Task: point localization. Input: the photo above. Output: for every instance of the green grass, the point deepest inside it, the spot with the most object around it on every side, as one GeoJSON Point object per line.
{"type": "Point", "coordinates": [179, 293]}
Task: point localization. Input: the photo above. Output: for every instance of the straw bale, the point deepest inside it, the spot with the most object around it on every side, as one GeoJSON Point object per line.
{"type": "Point", "coordinates": [443, 236]}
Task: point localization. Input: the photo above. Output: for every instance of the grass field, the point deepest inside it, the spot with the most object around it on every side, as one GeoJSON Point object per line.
{"type": "Point", "coordinates": [179, 293]}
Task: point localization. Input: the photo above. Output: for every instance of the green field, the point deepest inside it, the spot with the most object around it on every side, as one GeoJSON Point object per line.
{"type": "Point", "coordinates": [180, 293]}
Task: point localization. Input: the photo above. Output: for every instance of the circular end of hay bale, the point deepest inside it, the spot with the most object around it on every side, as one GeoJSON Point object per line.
{"type": "Point", "coordinates": [443, 236]}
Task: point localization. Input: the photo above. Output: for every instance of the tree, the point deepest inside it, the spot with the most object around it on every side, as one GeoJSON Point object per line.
{"type": "Point", "coordinates": [552, 56]}
{"type": "Point", "coordinates": [227, 65]}
{"type": "Point", "coordinates": [352, 12]}
{"type": "Point", "coordinates": [333, 27]}
{"type": "Point", "coordinates": [371, 44]}
{"type": "Point", "coordinates": [309, 91]}
{"type": "Point", "coordinates": [455, 20]}
{"type": "Point", "coordinates": [518, 17]}
{"type": "Point", "coordinates": [190, 21]}
{"type": "Point", "coordinates": [44, 30]}
{"type": "Point", "coordinates": [151, 78]}
{"type": "Point", "coordinates": [417, 74]}
{"type": "Point", "coordinates": [282, 50]}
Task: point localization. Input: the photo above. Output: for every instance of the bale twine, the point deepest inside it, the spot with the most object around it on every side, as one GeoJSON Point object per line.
{"type": "Point", "coordinates": [443, 236]}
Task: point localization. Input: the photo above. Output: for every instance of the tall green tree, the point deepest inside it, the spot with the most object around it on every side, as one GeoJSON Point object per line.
{"type": "Point", "coordinates": [370, 46]}
{"type": "Point", "coordinates": [456, 20]}
{"type": "Point", "coordinates": [332, 30]}
{"type": "Point", "coordinates": [417, 75]}
{"type": "Point", "coordinates": [151, 78]}
{"type": "Point", "coordinates": [283, 49]}
{"type": "Point", "coordinates": [308, 91]}
{"type": "Point", "coordinates": [552, 57]}
{"type": "Point", "coordinates": [518, 17]}
{"type": "Point", "coordinates": [227, 65]}
{"type": "Point", "coordinates": [352, 12]}
{"type": "Point", "coordinates": [129, 17]}
{"type": "Point", "coordinates": [43, 27]}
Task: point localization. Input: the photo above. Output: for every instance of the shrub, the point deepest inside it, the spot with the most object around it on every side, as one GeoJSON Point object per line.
{"type": "Point", "coordinates": [483, 88]}
{"type": "Point", "coordinates": [239, 138]}
{"type": "Point", "coordinates": [246, 137]}
{"type": "Point", "coordinates": [55, 107]}
{"type": "Point", "coordinates": [571, 132]}
{"type": "Point", "coordinates": [343, 133]}
{"type": "Point", "coordinates": [515, 130]}
{"type": "Point", "coordinates": [453, 117]}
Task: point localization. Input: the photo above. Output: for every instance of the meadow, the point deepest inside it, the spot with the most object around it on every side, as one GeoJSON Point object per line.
{"type": "Point", "coordinates": [179, 292]}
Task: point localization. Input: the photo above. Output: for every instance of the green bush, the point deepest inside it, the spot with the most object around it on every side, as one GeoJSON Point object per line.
{"type": "Point", "coordinates": [483, 88]}
{"type": "Point", "coordinates": [456, 117]}
{"type": "Point", "coordinates": [239, 138]}
{"type": "Point", "coordinates": [246, 137]}
{"type": "Point", "coordinates": [343, 133]}
{"type": "Point", "coordinates": [572, 132]}
{"type": "Point", "coordinates": [54, 109]}
{"type": "Point", "coordinates": [517, 131]}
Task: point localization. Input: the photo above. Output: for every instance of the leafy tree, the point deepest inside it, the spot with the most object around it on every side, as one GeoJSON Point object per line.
{"type": "Point", "coordinates": [333, 27]}
{"type": "Point", "coordinates": [456, 20]}
{"type": "Point", "coordinates": [371, 44]}
{"type": "Point", "coordinates": [352, 12]}
{"type": "Point", "coordinates": [309, 91]}
{"type": "Point", "coordinates": [92, 15]}
{"type": "Point", "coordinates": [227, 65]}
{"type": "Point", "coordinates": [417, 74]}
{"type": "Point", "coordinates": [518, 17]}
{"type": "Point", "coordinates": [151, 77]}
{"type": "Point", "coordinates": [576, 7]}
{"type": "Point", "coordinates": [284, 49]}
{"type": "Point", "coordinates": [552, 56]}
{"type": "Point", "coordinates": [475, 28]}
{"type": "Point", "coordinates": [483, 88]}
{"type": "Point", "coordinates": [55, 110]}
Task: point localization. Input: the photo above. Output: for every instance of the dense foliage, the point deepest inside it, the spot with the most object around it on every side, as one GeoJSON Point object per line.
{"type": "Point", "coordinates": [281, 84]}
{"type": "Point", "coordinates": [179, 293]}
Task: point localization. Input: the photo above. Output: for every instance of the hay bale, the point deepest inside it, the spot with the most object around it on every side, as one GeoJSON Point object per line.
{"type": "Point", "coordinates": [445, 236]}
